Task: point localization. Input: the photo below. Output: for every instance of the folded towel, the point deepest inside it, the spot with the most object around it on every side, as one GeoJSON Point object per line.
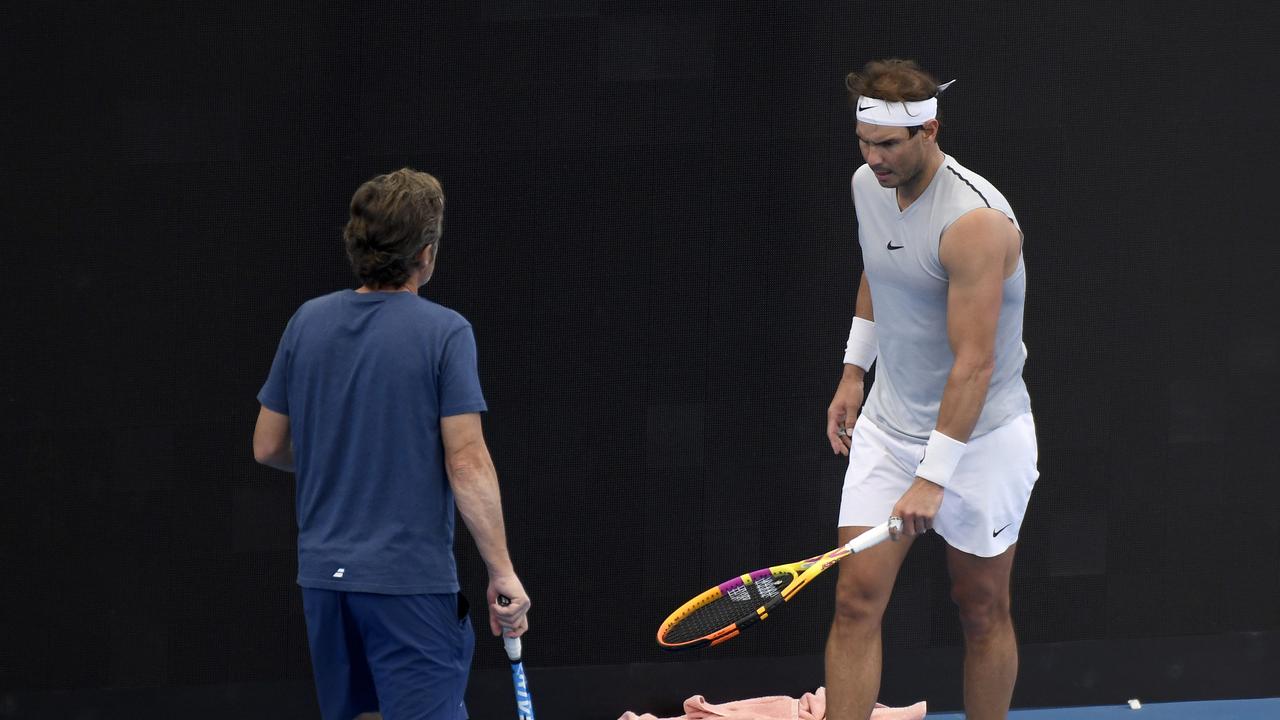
{"type": "Point", "coordinates": [812, 706]}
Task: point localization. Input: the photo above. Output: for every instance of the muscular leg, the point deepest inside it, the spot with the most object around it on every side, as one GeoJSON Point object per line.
{"type": "Point", "coordinates": [980, 588]}
{"type": "Point", "coordinates": [853, 647]}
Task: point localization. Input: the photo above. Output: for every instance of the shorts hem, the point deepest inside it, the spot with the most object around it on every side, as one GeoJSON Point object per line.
{"type": "Point", "coordinates": [970, 551]}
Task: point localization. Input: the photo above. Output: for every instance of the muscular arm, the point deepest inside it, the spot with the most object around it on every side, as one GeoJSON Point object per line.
{"type": "Point", "coordinates": [977, 251]}
{"type": "Point", "coordinates": [273, 441]}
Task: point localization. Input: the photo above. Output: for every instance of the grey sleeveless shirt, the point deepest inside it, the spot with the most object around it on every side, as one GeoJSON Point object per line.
{"type": "Point", "coordinates": [909, 298]}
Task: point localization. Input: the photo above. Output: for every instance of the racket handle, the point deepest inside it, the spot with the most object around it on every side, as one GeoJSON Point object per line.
{"type": "Point", "coordinates": [873, 537]}
{"type": "Point", "coordinates": [511, 644]}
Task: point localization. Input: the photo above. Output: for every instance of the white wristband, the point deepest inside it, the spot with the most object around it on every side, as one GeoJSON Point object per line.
{"type": "Point", "coordinates": [941, 456]}
{"type": "Point", "coordinates": [861, 349]}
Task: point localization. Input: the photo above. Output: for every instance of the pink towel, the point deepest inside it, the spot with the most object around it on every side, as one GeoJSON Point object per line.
{"type": "Point", "coordinates": [813, 706]}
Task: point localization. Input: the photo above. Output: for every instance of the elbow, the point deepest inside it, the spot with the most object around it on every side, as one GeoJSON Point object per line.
{"type": "Point", "coordinates": [260, 456]}
{"type": "Point", "coordinates": [465, 464]}
{"type": "Point", "coordinates": [461, 469]}
{"type": "Point", "coordinates": [265, 453]}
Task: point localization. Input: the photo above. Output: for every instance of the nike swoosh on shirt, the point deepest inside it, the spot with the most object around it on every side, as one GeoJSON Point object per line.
{"type": "Point", "coordinates": [997, 532]}
{"type": "Point", "coordinates": [891, 246]}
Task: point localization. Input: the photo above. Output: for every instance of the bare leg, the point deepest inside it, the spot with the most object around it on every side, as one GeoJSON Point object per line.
{"type": "Point", "coordinates": [980, 587]}
{"type": "Point", "coordinates": [853, 647]}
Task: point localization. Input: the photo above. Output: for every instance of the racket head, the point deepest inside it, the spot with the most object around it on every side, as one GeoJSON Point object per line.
{"type": "Point", "coordinates": [723, 610]}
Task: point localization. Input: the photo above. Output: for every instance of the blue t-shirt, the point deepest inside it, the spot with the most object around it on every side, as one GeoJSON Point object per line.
{"type": "Point", "coordinates": [365, 379]}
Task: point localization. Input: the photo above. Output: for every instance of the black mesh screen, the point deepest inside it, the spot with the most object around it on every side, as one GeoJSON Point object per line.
{"type": "Point", "coordinates": [649, 227]}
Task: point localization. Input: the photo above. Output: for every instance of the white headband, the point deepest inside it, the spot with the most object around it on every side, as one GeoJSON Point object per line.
{"type": "Point", "coordinates": [899, 114]}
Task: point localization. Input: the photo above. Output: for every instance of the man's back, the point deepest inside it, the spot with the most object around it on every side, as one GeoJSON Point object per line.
{"type": "Point", "coordinates": [365, 379]}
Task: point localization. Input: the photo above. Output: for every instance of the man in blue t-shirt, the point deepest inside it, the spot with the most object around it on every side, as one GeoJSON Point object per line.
{"type": "Point", "coordinates": [374, 401]}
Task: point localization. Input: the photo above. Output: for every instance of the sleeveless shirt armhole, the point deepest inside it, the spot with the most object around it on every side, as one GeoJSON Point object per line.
{"type": "Point", "coordinates": [937, 255]}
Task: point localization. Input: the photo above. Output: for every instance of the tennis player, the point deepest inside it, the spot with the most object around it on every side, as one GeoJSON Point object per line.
{"type": "Point", "coordinates": [946, 441]}
{"type": "Point", "coordinates": [374, 398]}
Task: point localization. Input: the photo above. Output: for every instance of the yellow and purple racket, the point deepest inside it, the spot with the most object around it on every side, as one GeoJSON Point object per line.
{"type": "Point", "coordinates": [727, 609]}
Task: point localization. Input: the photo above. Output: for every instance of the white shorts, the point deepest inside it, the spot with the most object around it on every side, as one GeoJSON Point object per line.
{"type": "Point", "coordinates": [982, 506]}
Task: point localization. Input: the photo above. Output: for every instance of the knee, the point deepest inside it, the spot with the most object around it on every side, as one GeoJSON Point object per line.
{"type": "Point", "coordinates": [982, 610]}
{"type": "Point", "coordinates": [858, 606]}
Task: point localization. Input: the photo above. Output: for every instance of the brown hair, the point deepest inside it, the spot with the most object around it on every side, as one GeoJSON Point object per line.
{"type": "Point", "coordinates": [393, 217]}
{"type": "Point", "coordinates": [892, 80]}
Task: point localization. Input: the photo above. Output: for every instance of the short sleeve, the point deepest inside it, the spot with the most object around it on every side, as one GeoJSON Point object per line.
{"type": "Point", "coordinates": [459, 390]}
{"type": "Point", "coordinates": [274, 394]}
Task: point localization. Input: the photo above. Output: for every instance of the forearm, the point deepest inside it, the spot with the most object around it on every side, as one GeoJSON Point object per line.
{"type": "Point", "coordinates": [963, 398]}
{"type": "Point", "coordinates": [863, 309]}
{"type": "Point", "coordinates": [475, 490]}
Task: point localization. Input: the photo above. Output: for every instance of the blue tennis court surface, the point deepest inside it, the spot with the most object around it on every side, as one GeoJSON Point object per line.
{"type": "Point", "coordinates": [1262, 709]}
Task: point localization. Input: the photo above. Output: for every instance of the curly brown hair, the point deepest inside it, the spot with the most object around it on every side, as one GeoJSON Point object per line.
{"type": "Point", "coordinates": [892, 80]}
{"type": "Point", "coordinates": [393, 217]}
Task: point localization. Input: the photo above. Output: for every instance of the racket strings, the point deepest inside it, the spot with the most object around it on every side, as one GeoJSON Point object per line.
{"type": "Point", "coordinates": [727, 609]}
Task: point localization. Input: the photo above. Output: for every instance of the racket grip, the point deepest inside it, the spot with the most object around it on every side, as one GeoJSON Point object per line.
{"type": "Point", "coordinates": [873, 537]}
{"type": "Point", "coordinates": [512, 646]}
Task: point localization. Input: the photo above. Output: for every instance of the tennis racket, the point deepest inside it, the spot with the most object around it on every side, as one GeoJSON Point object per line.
{"type": "Point", "coordinates": [524, 701]}
{"type": "Point", "coordinates": [727, 609]}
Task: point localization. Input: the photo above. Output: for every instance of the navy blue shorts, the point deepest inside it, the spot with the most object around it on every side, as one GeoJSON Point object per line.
{"type": "Point", "coordinates": [406, 656]}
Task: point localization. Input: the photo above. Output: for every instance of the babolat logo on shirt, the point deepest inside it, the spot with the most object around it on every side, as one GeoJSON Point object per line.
{"type": "Point", "coordinates": [340, 572]}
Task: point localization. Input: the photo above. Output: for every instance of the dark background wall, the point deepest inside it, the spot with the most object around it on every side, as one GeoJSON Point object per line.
{"type": "Point", "coordinates": [649, 227]}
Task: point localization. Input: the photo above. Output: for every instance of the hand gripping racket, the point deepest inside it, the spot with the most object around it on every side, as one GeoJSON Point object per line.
{"type": "Point", "coordinates": [728, 608]}
{"type": "Point", "coordinates": [524, 702]}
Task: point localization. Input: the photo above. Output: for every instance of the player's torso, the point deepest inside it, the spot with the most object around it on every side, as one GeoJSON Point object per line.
{"type": "Point", "coordinates": [901, 260]}
{"type": "Point", "coordinates": [900, 248]}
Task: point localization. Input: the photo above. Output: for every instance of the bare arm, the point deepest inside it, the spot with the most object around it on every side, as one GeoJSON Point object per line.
{"type": "Point", "coordinates": [847, 403]}
{"type": "Point", "coordinates": [977, 252]}
{"type": "Point", "coordinates": [273, 441]}
{"type": "Point", "coordinates": [474, 481]}
{"type": "Point", "coordinates": [863, 309]}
